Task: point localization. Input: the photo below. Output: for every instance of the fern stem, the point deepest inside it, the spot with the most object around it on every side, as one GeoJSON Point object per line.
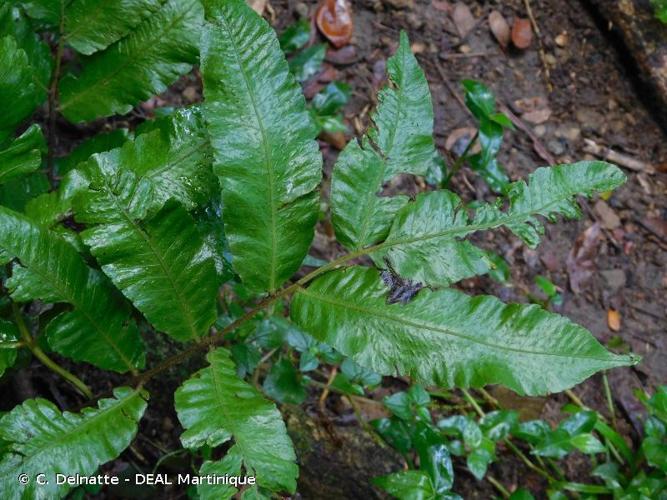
{"type": "Point", "coordinates": [522, 456]}
{"type": "Point", "coordinates": [497, 485]}
{"type": "Point", "coordinates": [42, 356]}
{"type": "Point", "coordinates": [610, 400]}
{"type": "Point", "coordinates": [472, 402]}
{"type": "Point", "coordinates": [53, 100]}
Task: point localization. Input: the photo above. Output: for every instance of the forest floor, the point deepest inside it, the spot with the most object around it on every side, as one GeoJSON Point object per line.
{"type": "Point", "coordinates": [611, 264]}
{"type": "Point", "coordinates": [614, 258]}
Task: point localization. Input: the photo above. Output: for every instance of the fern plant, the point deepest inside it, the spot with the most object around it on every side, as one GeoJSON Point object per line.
{"type": "Point", "coordinates": [139, 231]}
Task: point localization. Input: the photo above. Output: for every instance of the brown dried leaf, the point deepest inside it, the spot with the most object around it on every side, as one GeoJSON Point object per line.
{"type": "Point", "coordinates": [334, 20]}
{"type": "Point", "coordinates": [258, 6]}
{"type": "Point", "coordinates": [463, 19]}
{"type": "Point", "coordinates": [459, 138]}
{"type": "Point", "coordinates": [522, 33]}
{"type": "Point", "coordinates": [614, 320]}
{"type": "Point", "coordinates": [580, 261]}
{"type": "Point", "coordinates": [346, 55]}
{"type": "Point", "coordinates": [537, 116]}
{"type": "Point", "coordinates": [442, 5]}
{"type": "Point", "coordinates": [499, 28]}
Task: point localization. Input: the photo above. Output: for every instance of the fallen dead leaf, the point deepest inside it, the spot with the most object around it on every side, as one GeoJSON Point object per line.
{"type": "Point", "coordinates": [418, 48]}
{"type": "Point", "coordinates": [334, 20]}
{"type": "Point", "coordinates": [614, 320]}
{"type": "Point", "coordinates": [499, 28]}
{"type": "Point", "coordinates": [258, 6]}
{"type": "Point", "coordinates": [344, 56]}
{"type": "Point", "coordinates": [459, 138]}
{"type": "Point", "coordinates": [522, 33]}
{"type": "Point", "coordinates": [537, 116]}
{"type": "Point", "coordinates": [463, 19]}
{"type": "Point", "coordinates": [442, 5]}
{"type": "Point", "coordinates": [562, 39]}
{"type": "Point", "coordinates": [607, 215]}
{"type": "Point", "coordinates": [336, 139]}
{"type": "Point", "coordinates": [528, 104]}
{"type": "Point", "coordinates": [580, 262]}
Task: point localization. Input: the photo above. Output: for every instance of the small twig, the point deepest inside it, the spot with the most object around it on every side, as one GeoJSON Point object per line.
{"type": "Point", "coordinates": [325, 391]}
{"type": "Point", "coordinates": [461, 159]}
{"type": "Point", "coordinates": [46, 361]}
{"type": "Point", "coordinates": [575, 399]}
{"type": "Point", "coordinates": [540, 44]}
{"type": "Point", "coordinates": [537, 144]}
{"type": "Point", "coordinates": [496, 484]}
{"type": "Point", "coordinates": [53, 101]}
{"type": "Point", "coordinates": [472, 402]}
{"type": "Point", "coordinates": [265, 358]}
{"type": "Point", "coordinates": [463, 55]}
{"type": "Point", "coordinates": [621, 159]}
{"type": "Point", "coordinates": [449, 86]}
{"type": "Point", "coordinates": [610, 400]}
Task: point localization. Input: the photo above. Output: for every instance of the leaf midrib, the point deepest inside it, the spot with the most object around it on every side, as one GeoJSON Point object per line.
{"type": "Point", "coordinates": [178, 292]}
{"type": "Point", "coordinates": [437, 328]}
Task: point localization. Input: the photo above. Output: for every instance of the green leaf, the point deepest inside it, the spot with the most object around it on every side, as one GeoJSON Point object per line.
{"type": "Point", "coordinates": [395, 432]}
{"type": "Point", "coordinates": [447, 338]}
{"type": "Point", "coordinates": [436, 261]}
{"type": "Point", "coordinates": [262, 137]}
{"type": "Point", "coordinates": [49, 209]}
{"type": "Point", "coordinates": [48, 11]}
{"type": "Point", "coordinates": [214, 405]}
{"type": "Point", "coordinates": [660, 7]}
{"type": "Point", "coordinates": [230, 465]}
{"type": "Point", "coordinates": [295, 36]}
{"type": "Point", "coordinates": [161, 264]}
{"type": "Point", "coordinates": [463, 426]}
{"type": "Point", "coordinates": [408, 485]}
{"type": "Point", "coordinates": [434, 457]}
{"type": "Point", "coordinates": [174, 152]}
{"type": "Point", "coordinates": [424, 241]}
{"type": "Point", "coordinates": [23, 156]}
{"type": "Point", "coordinates": [44, 440]}
{"type": "Point", "coordinates": [99, 329]}
{"type": "Point", "coordinates": [308, 62]}
{"type": "Point", "coordinates": [283, 384]}
{"type": "Point", "coordinates": [401, 141]}
{"type": "Point", "coordinates": [484, 162]}
{"type": "Point", "coordinates": [20, 94]}
{"type": "Point", "coordinates": [332, 98]}
{"type": "Point", "coordinates": [161, 48]}
{"type": "Point", "coordinates": [497, 425]}
{"type": "Point", "coordinates": [17, 192]}
{"type": "Point", "coordinates": [92, 25]}
{"type": "Point", "coordinates": [588, 443]}
{"type": "Point", "coordinates": [9, 335]}
{"type": "Point", "coordinates": [97, 144]}
{"type": "Point", "coordinates": [479, 459]}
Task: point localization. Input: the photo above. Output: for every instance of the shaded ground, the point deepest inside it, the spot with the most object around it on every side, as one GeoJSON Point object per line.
{"type": "Point", "coordinates": [594, 97]}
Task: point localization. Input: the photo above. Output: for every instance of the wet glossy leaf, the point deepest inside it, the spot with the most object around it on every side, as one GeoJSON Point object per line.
{"type": "Point", "coordinates": [92, 25]}
{"type": "Point", "coordinates": [98, 330]}
{"type": "Point", "coordinates": [263, 142]}
{"type": "Point", "coordinates": [307, 62]}
{"type": "Point", "coordinates": [214, 406]}
{"type": "Point", "coordinates": [23, 155]}
{"type": "Point", "coordinates": [437, 338]}
{"type": "Point", "coordinates": [283, 384]}
{"type": "Point", "coordinates": [408, 485]}
{"type": "Point", "coordinates": [295, 36]}
{"type": "Point", "coordinates": [161, 48]}
{"type": "Point", "coordinates": [401, 141]}
{"type": "Point", "coordinates": [9, 335]}
{"type": "Point", "coordinates": [42, 439]}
